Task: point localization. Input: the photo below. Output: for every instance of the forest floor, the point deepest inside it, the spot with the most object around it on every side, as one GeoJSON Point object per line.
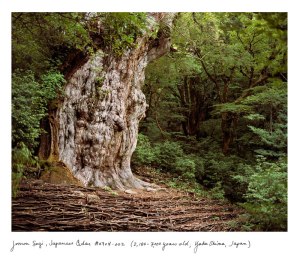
{"type": "Point", "coordinates": [41, 206]}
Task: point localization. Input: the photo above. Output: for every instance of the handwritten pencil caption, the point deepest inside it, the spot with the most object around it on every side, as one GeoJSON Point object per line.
{"type": "Point", "coordinates": [162, 245]}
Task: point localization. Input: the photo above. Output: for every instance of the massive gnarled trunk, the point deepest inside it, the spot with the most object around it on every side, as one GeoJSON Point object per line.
{"type": "Point", "coordinates": [94, 130]}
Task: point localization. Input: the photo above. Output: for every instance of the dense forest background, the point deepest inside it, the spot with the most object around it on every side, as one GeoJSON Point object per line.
{"type": "Point", "coordinates": [217, 115]}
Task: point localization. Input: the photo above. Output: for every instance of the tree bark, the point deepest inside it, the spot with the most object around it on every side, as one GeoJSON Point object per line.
{"type": "Point", "coordinates": [227, 132]}
{"type": "Point", "coordinates": [96, 126]}
{"type": "Point", "coordinates": [194, 102]}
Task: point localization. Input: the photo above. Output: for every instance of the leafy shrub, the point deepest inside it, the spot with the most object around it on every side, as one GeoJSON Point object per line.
{"type": "Point", "coordinates": [217, 192]}
{"type": "Point", "coordinates": [211, 167]}
{"type": "Point", "coordinates": [29, 104]}
{"type": "Point", "coordinates": [16, 179]}
{"type": "Point", "coordinates": [52, 83]}
{"type": "Point", "coordinates": [167, 154]}
{"type": "Point", "coordinates": [185, 166]}
{"type": "Point", "coordinates": [144, 153]}
{"type": "Point", "coordinates": [201, 175]}
{"type": "Point", "coordinates": [235, 182]}
{"type": "Point", "coordinates": [267, 195]}
{"type": "Point", "coordinates": [171, 157]}
{"type": "Point", "coordinates": [28, 108]}
{"type": "Point", "coordinates": [21, 159]}
{"type": "Point", "coordinates": [214, 169]}
{"type": "Point", "coordinates": [30, 99]}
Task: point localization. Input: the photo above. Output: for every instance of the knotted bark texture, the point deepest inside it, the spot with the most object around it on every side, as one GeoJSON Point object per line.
{"type": "Point", "coordinates": [95, 128]}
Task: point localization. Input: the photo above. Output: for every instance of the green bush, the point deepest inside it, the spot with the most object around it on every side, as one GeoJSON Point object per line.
{"type": "Point", "coordinates": [29, 104]}
{"type": "Point", "coordinates": [15, 183]}
{"type": "Point", "coordinates": [144, 153]}
{"type": "Point", "coordinates": [217, 192]}
{"type": "Point", "coordinates": [30, 99]}
{"type": "Point", "coordinates": [214, 169]}
{"type": "Point", "coordinates": [167, 154]}
{"type": "Point", "coordinates": [235, 182]}
{"type": "Point", "coordinates": [21, 159]}
{"type": "Point", "coordinates": [28, 108]}
{"type": "Point", "coordinates": [211, 167]}
{"type": "Point", "coordinates": [267, 195]}
{"type": "Point", "coordinates": [171, 157]}
{"type": "Point", "coordinates": [186, 167]}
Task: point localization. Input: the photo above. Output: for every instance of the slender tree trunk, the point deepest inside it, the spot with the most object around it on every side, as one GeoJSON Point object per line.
{"type": "Point", "coordinates": [94, 131]}
{"type": "Point", "coordinates": [226, 126]}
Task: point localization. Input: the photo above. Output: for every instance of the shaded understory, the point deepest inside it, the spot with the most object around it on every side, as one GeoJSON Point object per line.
{"type": "Point", "coordinates": [42, 206]}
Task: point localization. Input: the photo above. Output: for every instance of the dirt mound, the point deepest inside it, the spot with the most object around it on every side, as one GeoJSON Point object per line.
{"type": "Point", "coordinates": [59, 173]}
{"type": "Point", "coordinates": [50, 207]}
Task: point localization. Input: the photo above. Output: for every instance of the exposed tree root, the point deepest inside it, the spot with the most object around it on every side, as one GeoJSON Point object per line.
{"type": "Point", "coordinates": [47, 207]}
{"type": "Point", "coordinates": [122, 183]}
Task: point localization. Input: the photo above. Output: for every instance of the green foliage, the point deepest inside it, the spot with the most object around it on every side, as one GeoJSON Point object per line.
{"type": "Point", "coordinates": [276, 139]}
{"type": "Point", "coordinates": [273, 94]}
{"type": "Point", "coordinates": [30, 99]}
{"type": "Point", "coordinates": [15, 183]}
{"type": "Point", "coordinates": [231, 108]}
{"type": "Point", "coordinates": [217, 192]}
{"type": "Point", "coordinates": [168, 156]}
{"type": "Point", "coordinates": [270, 102]}
{"type": "Point", "coordinates": [212, 167]}
{"type": "Point", "coordinates": [21, 159]}
{"type": "Point", "coordinates": [144, 154]}
{"type": "Point", "coordinates": [171, 157]}
{"type": "Point", "coordinates": [189, 185]}
{"type": "Point", "coordinates": [28, 108]}
{"type": "Point", "coordinates": [99, 81]}
{"type": "Point", "coordinates": [218, 172]}
{"type": "Point", "coordinates": [122, 29]}
{"type": "Point", "coordinates": [29, 104]}
{"type": "Point", "coordinates": [254, 117]}
{"type": "Point", "coordinates": [52, 83]}
{"type": "Point", "coordinates": [186, 167]}
{"type": "Point", "coordinates": [42, 40]}
{"type": "Point", "coordinates": [167, 153]}
{"type": "Point", "coordinates": [101, 93]}
{"type": "Point", "coordinates": [267, 195]}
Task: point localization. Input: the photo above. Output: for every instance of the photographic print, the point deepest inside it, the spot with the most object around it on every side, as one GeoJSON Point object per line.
{"type": "Point", "coordinates": [138, 129]}
{"type": "Point", "coordinates": [149, 121]}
